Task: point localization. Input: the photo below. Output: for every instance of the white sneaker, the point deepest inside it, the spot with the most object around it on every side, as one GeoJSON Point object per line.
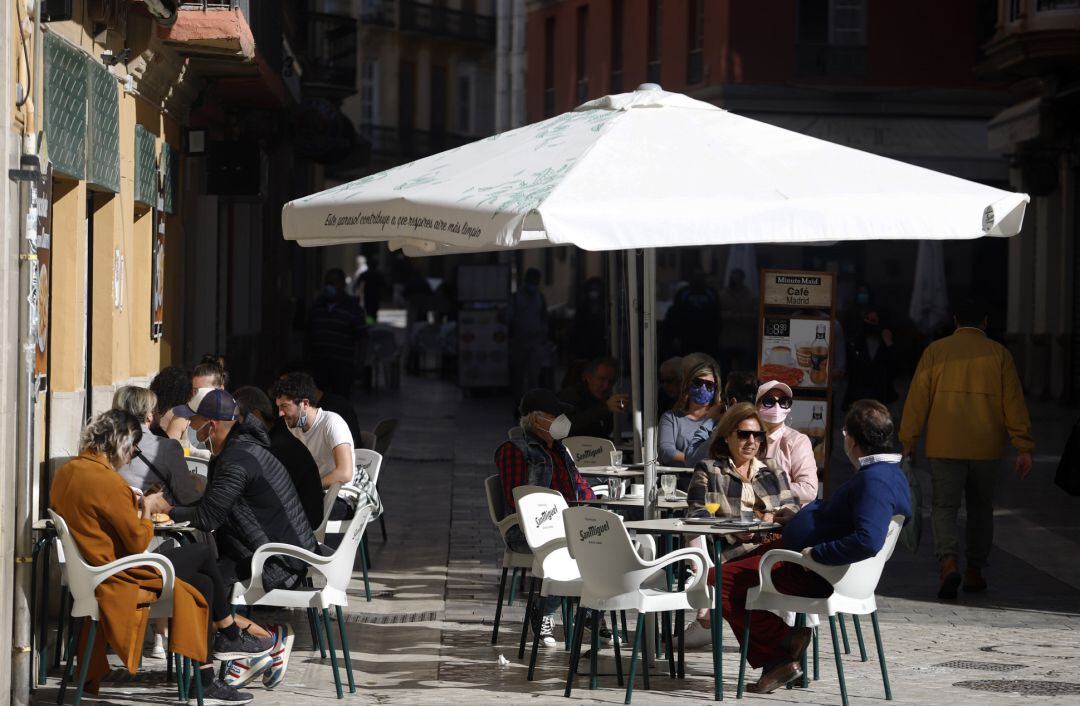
{"type": "Point", "coordinates": [696, 635]}
{"type": "Point", "coordinates": [158, 650]}
{"type": "Point", "coordinates": [547, 631]}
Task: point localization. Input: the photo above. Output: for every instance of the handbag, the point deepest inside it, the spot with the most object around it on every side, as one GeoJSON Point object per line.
{"type": "Point", "coordinates": [1067, 476]}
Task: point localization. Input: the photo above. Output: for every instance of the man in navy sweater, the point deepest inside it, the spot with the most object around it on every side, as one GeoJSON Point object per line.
{"type": "Point", "coordinates": [848, 527]}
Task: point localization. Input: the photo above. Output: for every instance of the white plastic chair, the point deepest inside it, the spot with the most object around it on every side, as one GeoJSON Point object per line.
{"type": "Point", "coordinates": [384, 436]}
{"type": "Point", "coordinates": [853, 592]}
{"type": "Point", "coordinates": [540, 511]}
{"type": "Point", "coordinates": [83, 580]}
{"type": "Point", "coordinates": [589, 450]}
{"type": "Point", "coordinates": [370, 462]}
{"type": "Point", "coordinates": [367, 439]}
{"type": "Point", "coordinates": [336, 572]}
{"type": "Point", "coordinates": [617, 578]}
{"type": "Point", "coordinates": [511, 559]}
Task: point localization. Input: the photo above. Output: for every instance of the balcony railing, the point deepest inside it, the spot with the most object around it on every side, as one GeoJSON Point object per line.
{"type": "Point", "coordinates": [330, 59]}
{"type": "Point", "coordinates": [828, 61]}
{"type": "Point", "coordinates": [695, 66]}
{"type": "Point", "coordinates": [446, 22]}
{"type": "Point", "coordinates": [407, 145]}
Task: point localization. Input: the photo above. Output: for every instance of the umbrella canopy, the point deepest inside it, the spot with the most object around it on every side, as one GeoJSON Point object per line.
{"type": "Point", "coordinates": [648, 169]}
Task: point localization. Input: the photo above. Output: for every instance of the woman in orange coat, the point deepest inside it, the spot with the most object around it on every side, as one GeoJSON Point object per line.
{"type": "Point", "coordinates": [107, 521]}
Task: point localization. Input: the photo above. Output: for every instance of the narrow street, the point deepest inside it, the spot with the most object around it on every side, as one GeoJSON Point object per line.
{"type": "Point", "coordinates": [435, 580]}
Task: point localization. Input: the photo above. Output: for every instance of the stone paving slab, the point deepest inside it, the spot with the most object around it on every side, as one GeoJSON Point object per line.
{"type": "Point", "coordinates": [426, 636]}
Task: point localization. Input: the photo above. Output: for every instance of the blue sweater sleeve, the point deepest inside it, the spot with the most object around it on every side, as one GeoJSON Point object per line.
{"type": "Point", "coordinates": [698, 448]}
{"type": "Point", "coordinates": [666, 438]}
{"type": "Point", "coordinates": [871, 511]}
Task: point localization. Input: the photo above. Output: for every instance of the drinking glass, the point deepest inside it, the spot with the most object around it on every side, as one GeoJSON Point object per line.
{"type": "Point", "coordinates": [746, 514]}
{"type": "Point", "coordinates": [668, 482]}
{"type": "Point", "coordinates": [713, 502]}
{"type": "Point", "coordinates": [616, 459]}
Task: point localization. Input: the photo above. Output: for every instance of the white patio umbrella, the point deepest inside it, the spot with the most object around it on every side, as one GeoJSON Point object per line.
{"type": "Point", "coordinates": [648, 169]}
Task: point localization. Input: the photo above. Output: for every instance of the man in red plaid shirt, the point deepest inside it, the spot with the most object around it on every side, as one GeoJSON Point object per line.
{"type": "Point", "coordinates": [535, 455]}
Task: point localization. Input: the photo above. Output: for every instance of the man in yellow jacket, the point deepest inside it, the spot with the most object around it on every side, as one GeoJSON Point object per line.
{"type": "Point", "coordinates": [967, 394]}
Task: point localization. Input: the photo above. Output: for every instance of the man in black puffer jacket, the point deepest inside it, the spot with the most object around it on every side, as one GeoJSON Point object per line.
{"type": "Point", "coordinates": [250, 498]}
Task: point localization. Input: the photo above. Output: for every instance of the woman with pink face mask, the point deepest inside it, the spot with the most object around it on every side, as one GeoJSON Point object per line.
{"type": "Point", "coordinates": [789, 450]}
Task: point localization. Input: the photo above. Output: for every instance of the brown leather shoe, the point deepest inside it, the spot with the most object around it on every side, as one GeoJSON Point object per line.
{"type": "Point", "coordinates": [797, 641]}
{"type": "Point", "coordinates": [950, 578]}
{"type": "Point", "coordinates": [973, 580]}
{"type": "Point", "coordinates": [775, 678]}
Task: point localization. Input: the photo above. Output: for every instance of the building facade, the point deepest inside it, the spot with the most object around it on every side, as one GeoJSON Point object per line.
{"type": "Point", "coordinates": [842, 70]}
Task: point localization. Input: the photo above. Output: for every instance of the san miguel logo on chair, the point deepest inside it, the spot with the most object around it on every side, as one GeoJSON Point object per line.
{"type": "Point", "coordinates": [546, 516]}
{"type": "Point", "coordinates": [587, 454]}
{"type": "Point", "coordinates": [594, 530]}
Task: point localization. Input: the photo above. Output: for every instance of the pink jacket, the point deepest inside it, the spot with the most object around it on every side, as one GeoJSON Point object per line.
{"type": "Point", "coordinates": [791, 451]}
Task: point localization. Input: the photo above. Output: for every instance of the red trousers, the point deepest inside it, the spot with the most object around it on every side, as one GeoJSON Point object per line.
{"type": "Point", "coordinates": [767, 630]}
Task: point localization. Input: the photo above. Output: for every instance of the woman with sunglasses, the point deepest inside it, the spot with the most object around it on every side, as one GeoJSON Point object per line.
{"type": "Point", "coordinates": [789, 450]}
{"type": "Point", "coordinates": [696, 405]}
{"type": "Point", "coordinates": [735, 469]}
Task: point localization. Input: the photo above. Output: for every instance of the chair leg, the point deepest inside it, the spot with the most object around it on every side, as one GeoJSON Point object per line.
{"type": "Point", "coordinates": [839, 661]}
{"type": "Point", "coordinates": [185, 676]}
{"type": "Point", "coordinates": [63, 618]}
{"type": "Point", "coordinates": [742, 657]}
{"type": "Point", "coordinates": [665, 618]}
{"type": "Point", "coordinates": [843, 632]}
{"type": "Point", "coordinates": [525, 622]}
{"type": "Point", "coordinates": [575, 649]}
{"type": "Point", "coordinates": [498, 607]}
{"type": "Point", "coordinates": [345, 649]}
{"type": "Point", "coordinates": [646, 660]}
{"type": "Point", "coordinates": [801, 622]}
{"type": "Point", "coordinates": [367, 553]}
{"type": "Point", "coordinates": [513, 587]}
{"type": "Point", "coordinates": [316, 634]}
{"type": "Point", "coordinates": [197, 669]}
{"type": "Point", "coordinates": [594, 648]}
{"type": "Point", "coordinates": [633, 658]}
{"type": "Point", "coordinates": [536, 642]}
{"type": "Point", "coordinates": [333, 655]}
{"type": "Point", "coordinates": [382, 525]}
{"type": "Point", "coordinates": [625, 633]}
{"type": "Point", "coordinates": [70, 668]}
{"type": "Point", "coordinates": [858, 636]}
{"type": "Point", "coordinates": [881, 656]}
{"type": "Point", "coordinates": [362, 551]}
{"type": "Point", "coordinates": [817, 669]}
{"type": "Point", "coordinates": [85, 666]}
{"type": "Point", "coordinates": [618, 648]}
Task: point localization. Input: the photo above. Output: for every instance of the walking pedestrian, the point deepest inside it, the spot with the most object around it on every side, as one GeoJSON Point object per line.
{"type": "Point", "coordinates": [967, 395]}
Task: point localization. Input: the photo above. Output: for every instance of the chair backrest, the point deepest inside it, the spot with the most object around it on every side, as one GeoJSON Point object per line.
{"type": "Point", "coordinates": [384, 434]}
{"type": "Point", "coordinates": [605, 555]}
{"type": "Point", "coordinates": [860, 579]}
{"type": "Point", "coordinates": [540, 515]}
{"type": "Point", "coordinates": [589, 450]}
{"type": "Point", "coordinates": [199, 466]}
{"type": "Point", "coordinates": [339, 571]}
{"type": "Point", "coordinates": [369, 461]}
{"type": "Point", "coordinates": [367, 440]}
{"type": "Point", "coordinates": [496, 506]}
{"type": "Point", "coordinates": [327, 508]}
{"type": "Point", "coordinates": [80, 579]}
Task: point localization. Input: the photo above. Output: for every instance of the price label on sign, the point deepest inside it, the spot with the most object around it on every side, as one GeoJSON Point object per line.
{"type": "Point", "coordinates": [780, 328]}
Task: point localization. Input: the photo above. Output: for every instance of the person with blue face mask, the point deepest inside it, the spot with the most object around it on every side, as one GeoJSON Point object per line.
{"type": "Point", "coordinates": [698, 401]}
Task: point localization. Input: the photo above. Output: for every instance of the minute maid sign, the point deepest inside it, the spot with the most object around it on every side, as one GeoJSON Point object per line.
{"type": "Point", "coordinates": [798, 289]}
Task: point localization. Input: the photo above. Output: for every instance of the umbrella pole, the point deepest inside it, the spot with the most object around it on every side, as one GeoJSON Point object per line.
{"type": "Point", "coordinates": [613, 272]}
{"type": "Point", "coordinates": [634, 309]}
{"type": "Point", "coordinates": [649, 398]}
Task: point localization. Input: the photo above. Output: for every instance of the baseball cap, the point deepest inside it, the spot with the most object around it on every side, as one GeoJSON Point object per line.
{"type": "Point", "coordinates": [209, 402]}
{"type": "Point", "coordinates": [541, 400]}
{"type": "Point", "coordinates": [770, 385]}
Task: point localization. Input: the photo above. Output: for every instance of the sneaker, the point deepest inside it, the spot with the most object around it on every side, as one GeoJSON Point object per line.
{"type": "Point", "coordinates": [605, 637]}
{"type": "Point", "coordinates": [547, 631]}
{"type": "Point", "coordinates": [696, 635]}
{"type": "Point", "coordinates": [246, 645]}
{"type": "Point", "coordinates": [220, 694]}
{"type": "Point", "coordinates": [239, 672]}
{"type": "Point", "coordinates": [158, 650]}
{"type": "Point", "coordinates": [280, 655]}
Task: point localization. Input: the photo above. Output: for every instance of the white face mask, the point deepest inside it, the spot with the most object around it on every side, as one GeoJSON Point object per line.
{"type": "Point", "coordinates": [560, 427]}
{"type": "Point", "coordinates": [773, 415]}
{"type": "Point", "coordinates": [193, 438]}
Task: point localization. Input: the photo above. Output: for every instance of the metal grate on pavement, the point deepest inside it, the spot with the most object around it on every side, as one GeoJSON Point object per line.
{"type": "Point", "coordinates": [1022, 687]}
{"type": "Point", "coordinates": [984, 666]}
{"type": "Point", "coordinates": [393, 618]}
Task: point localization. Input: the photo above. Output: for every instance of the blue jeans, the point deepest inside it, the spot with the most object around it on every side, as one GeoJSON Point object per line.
{"type": "Point", "coordinates": [515, 540]}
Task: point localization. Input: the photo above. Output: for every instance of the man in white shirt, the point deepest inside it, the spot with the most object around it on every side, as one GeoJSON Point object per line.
{"type": "Point", "coordinates": [326, 436]}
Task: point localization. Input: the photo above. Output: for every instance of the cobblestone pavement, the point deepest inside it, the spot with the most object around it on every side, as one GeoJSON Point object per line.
{"type": "Point", "coordinates": [426, 636]}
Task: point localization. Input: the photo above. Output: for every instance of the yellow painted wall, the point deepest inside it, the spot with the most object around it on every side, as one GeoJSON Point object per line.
{"type": "Point", "coordinates": [68, 285]}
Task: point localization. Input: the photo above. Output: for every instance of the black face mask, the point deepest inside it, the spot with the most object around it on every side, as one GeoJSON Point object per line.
{"type": "Point", "coordinates": [872, 329]}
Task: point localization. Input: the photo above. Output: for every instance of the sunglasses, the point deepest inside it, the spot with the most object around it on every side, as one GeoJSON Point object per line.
{"type": "Point", "coordinates": [744, 434]}
{"type": "Point", "coordinates": [768, 402]}
{"type": "Point", "coordinates": [707, 384]}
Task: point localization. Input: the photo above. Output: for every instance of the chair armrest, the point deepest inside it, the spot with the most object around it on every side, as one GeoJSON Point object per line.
{"type": "Point", "coordinates": [148, 559]}
{"type": "Point", "coordinates": [775, 556]}
{"type": "Point", "coordinates": [507, 522]}
{"type": "Point", "coordinates": [281, 549]}
{"type": "Point", "coordinates": [695, 555]}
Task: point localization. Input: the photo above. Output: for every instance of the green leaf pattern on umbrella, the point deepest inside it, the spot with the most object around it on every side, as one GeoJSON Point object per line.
{"type": "Point", "coordinates": [551, 132]}
{"type": "Point", "coordinates": [349, 187]}
{"type": "Point", "coordinates": [519, 194]}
